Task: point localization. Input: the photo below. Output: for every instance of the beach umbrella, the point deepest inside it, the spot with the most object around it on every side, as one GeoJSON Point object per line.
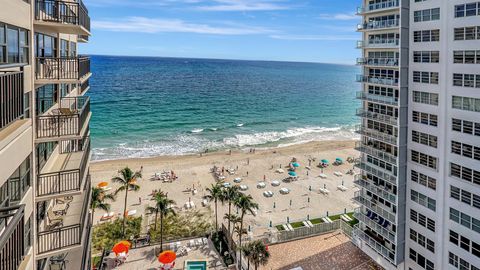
{"type": "Point", "coordinates": [102, 184]}
{"type": "Point", "coordinates": [292, 173]}
{"type": "Point", "coordinates": [339, 159]}
{"type": "Point", "coordinates": [121, 247]}
{"type": "Point", "coordinates": [324, 161]}
{"type": "Point", "coordinates": [296, 164]}
{"type": "Point", "coordinates": [168, 256]}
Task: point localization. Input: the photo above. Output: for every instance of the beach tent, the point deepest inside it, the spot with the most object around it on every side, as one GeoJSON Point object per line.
{"type": "Point", "coordinates": [292, 173]}
{"type": "Point", "coordinates": [296, 165]}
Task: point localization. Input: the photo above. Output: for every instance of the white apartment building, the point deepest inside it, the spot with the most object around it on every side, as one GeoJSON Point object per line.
{"type": "Point", "coordinates": [44, 137]}
{"type": "Point", "coordinates": [435, 201]}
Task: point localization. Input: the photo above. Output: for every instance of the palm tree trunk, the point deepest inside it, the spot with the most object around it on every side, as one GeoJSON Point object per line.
{"type": "Point", "coordinates": [256, 266]}
{"type": "Point", "coordinates": [216, 216]}
{"type": "Point", "coordinates": [240, 238]}
{"type": "Point", "coordinates": [161, 232]}
{"type": "Point", "coordinates": [248, 263]}
{"type": "Point", "coordinates": [156, 219]}
{"type": "Point", "coordinates": [125, 211]}
{"type": "Point", "coordinates": [229, 212]}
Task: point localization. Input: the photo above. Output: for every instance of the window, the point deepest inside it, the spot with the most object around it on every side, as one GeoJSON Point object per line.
{"type": "Point", "coordinates": [47, 97]}
{"type": "Point", "coordinates": [466, 103]}
{"type": "Point", "coordinates": [425, 77]}
{"type": "Point", "coordinates": [466, 57]}
{"type": "Point", "coordinates": [467, 10]}
{"type": "Point", "coordinates": [465, 150]}
{"type": "Point", "coordinates": [421, 261]}
{"type": "Point", "coordinates": [425, 98]}
{"type": "Point", "coordinates": [423, 180]}
{"type": "Point", "coordinates": [466, 127]}
{"type": "Point", "coordinates": [465, 173]}
{"type": "Point", "coordinates": [424, 138]}
{"type": "Point", "coordinates": [422, 240]}
{"type": "Point", "coordinates": [17, 184]}
{"type": "Point", "coordinates": [28, 240]}
{"type": "Point", "coordinates": [424, 159]}
{"type": "Point", "coordinates": [426, 15]}
{"type": "Point", "coordinates": [422, 220]}
{"type": "Point", "coordinates": [46, 46]}
{"type": "Point", "coordinates": [425, 118]}
{"type": "Point", "coordinates": [466, 80]}
{"type": "Point", "coordinates": [465, 243]}
{"type": "Point", "coordinates": [426, 36]}
{"type": "Point", "coordinates": [426, 56]}
{"type": "Point", "coordinates": [423, 200]}
{"type": "Point", "coordinates": [14, 44]}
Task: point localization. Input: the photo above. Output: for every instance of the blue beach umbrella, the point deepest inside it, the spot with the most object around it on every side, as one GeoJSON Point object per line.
{"type": "Point", "coordinates": [296, 165]}
{"type": "Point", "coordinates": [292, 173]}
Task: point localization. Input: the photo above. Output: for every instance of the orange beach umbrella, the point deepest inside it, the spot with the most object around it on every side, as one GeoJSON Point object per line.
{"type": "Point", "coordinates": [102, 184]}
{"type": "Point", "coordinates": [167, 256]}
{"type": "Point", "coordinates": [121, 247]}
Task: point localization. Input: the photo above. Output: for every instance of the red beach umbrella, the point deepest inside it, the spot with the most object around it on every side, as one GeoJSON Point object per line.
{"type": "Point", "coordinates": [167, 256]}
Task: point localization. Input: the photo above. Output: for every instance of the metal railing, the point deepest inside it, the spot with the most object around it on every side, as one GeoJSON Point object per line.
{"type": "Point", "coordinates": [387, 214]}
{"type": "Point", "coordinates": [377, 172]}
{"type": "Point", "coordinates": [375, 134]}
{"type": "Point", "coordinates": [69, 120]}
{"type": "Point", "coordinates": [65, 180]}
{"type": "Point", "coordinates": [83, 38]}
{"type": "Point", "coordinates": [387, 119]}
{"type": "Point", "coordinates": [378, 43]}
{"type": "Point", "coordinates": [381, 249]}
{"type": "Point", "coordinates": [367, 149]}
{"type": "Point", "coordinates": [384, 62]}
{"type": "Point", "coordinates": [378, 6]}
{"type": "Point", "coordinates": [62, 68]}
{"type": "Point", "coordinates": [377, 98]}
{"type": "Point", "coordinates": [374, 225]}
{"type": "Point", "coordinates": [85, 85]}
{"type": "Point", "coordinates": [377, 80]}
{"type": "Point", "coordinates": [12, 245]}
{"type": "Point", "coordinates": [11, 97]}
{"type": "Point", "coordinates": [380, 191]}
{"type": "Point", "coordinates": [65, 236]}
{"type": "Point", "coordinates": [378, 24]}
{"type": "Point", "coordinates": [62, 12]}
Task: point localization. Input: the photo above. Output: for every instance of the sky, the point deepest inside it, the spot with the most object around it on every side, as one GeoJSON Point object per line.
{"type": "Point", "coordinates": [280, 30]}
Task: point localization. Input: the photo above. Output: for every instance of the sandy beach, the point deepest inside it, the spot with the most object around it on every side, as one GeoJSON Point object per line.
{"type": "Point", "coordinates": [195, 171]}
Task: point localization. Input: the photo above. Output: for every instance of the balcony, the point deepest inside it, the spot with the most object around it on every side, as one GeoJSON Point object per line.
{"type": "Point", "coordinates": [383, 231]}
{"type": "Point", "coordinates": [382, 173]}
{"type": "Point", "coordinates": [69, 121]}
{"type": "Point", "coordinates": [62, 69]}
{"type": "Point", "coordinates": [378, 25]}
{"type": "Point", "coordinates": [386, 81]}
{"type": "Point", "coordinates": [378, 62]}
{"type": "Point", "coordinates": [380, 154]}
{"type": "Point", "coordinates": [374, 243]}
{"type": "Point", "coordinates": [62, 17]}
{"type": "Point", "coordinates": [378, 208]}
{"type": "Point", "coordinates": [361, 181]}
{"type": "Point", "coordinates": [393, 101]}
{"type": "Point", "coordinates": [85, 86]}
{"type": "Point", "coordinates": [387, 119]}
{"type": "Point", "coordinates": [12, 249]}
{"type": "Point", "coordinates": [378, 7]}
{"type": "Point", "coordinates": [11, 97]}
{"type": "Point", "coordinates": [68, 171]}
{"type": "Point", "coordinates": [65, 224]}
{"type": "Point", "coordinates": [378, 44]}
{"type": "Point", "coordinates": [82, 38]}
{"type": "Point", "coordinates": [375, 134]}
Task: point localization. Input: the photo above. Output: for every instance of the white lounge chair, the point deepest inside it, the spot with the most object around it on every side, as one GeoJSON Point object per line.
{"type": "Point", "coordinates": [329, 220]}
{"type": "Point", "coordinates": [338, 174]}
{"type": "Point", "coordinates": [342, 188]}
{"type": "Point", "coordinates": [310, 223]}
{"type": "Point", "coordinates": [290, 227]}
{"type": "Point", "coordinates": [323, 176]}
{"type": "Point", "coordinates": [325, 220]}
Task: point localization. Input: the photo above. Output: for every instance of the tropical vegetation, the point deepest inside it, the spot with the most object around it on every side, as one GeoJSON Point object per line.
{"type": "Point", "coordinates": [127, 181]}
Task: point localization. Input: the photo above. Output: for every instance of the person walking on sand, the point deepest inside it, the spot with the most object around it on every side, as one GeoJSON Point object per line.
{"type": "Point", "coordinates": [139, 200]}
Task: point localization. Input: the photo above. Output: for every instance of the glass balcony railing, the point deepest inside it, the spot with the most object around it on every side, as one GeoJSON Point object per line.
{"type": "Point", "coordinates": [361, 181]}
{"type": "Point", "coordinates": [378, 43]}
{"type": "Point", "coordinates": [378, 6]}
{"type": "Point", "coordinates": [383, 231]}
{"type": "Point", "coordinates": [378, 80]}
{"type": "Point", "coordinates": [383, 62]}
{"type": "Point", "coordinates": [387, 119]}
{"type": "Point", "coordinates": [377, 25]}
{"type": "Point", "coordinates": [374, 244]}
{"type": "Point", "coordinates": [377, 98]}
{"type": "Point", "coordinates": [380, 154]}
{"type": "Point", "coordinates": [371, 204]}
{"type": "Point", "coordinates": [380, 173]}
{"type": "Point", "coordinates": [375, 134]}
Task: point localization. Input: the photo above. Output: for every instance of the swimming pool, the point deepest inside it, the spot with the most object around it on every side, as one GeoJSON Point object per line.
{"type": "Point", "coordinates": [195, 265]}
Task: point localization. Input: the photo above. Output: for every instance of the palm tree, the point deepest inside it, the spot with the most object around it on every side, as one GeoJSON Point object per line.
{"type": "Point", "coordinates": [234, 219]}
{"type": "Point", "coordinates": [230, 194]}
{"type": "Point", "coordinates": [215, 194]}
{"type": "Point", "coordinates": [163, 205]}
{"type": "Point", "coordinates": [246, 204]}
{"type": "Point", "coordinates": [260, 254]}
{"type": "Point", "coordinates": [247, 251]}
{"type": "Point", "coordinates": [98, 200]}
{"type": "Point", "coordinates": [127, 180]}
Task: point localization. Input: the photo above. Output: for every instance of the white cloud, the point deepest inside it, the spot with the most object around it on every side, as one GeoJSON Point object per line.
{"type": "Point", "coordinates": [149, 25]}
{"type": "Point", "coordinates": [340, 16]}
{"type": "Point", "coordinates": [244, 5]}
{"type": "Point", "coordinates": [314, 37]}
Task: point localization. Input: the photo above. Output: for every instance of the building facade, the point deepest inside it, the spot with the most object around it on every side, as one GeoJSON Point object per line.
{"type": "Point", "coordinates": [45, 185]}
{"type": "Point", "coordinates": [420, 170]}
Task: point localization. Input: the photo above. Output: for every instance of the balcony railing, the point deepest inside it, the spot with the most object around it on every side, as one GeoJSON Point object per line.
{"type": "Point", "coordinates": [383, 62]}
{"type": "Point", "coordinates": [62, 12]}
{"type": "Point", "coordinates": [68, 120]}
{"type": "Point", "coordinates": [82, 38]}
{"type": "Point", "coordinates": [375, 134]}
{"type": "Point", "coordinates": [70, 235]}
{"type": "Point", "coordinates": [370, 150]}
{"type": "Point", "coordinates": [370, 186]}
{"type": "Point", "coordinates": [370, 204]}
{"type": "Point", "coordinates": [11, 97]}
{"type": "Point", "coordinates": [377, 98]}
{"type": "Point", "coordinates": [374, 225]}
{"type": "Point", "coordinates": [69, 180]}
{"type": "Point", "coordinates": [378, 43]}
{"type": "Point", "coordinates": [374, 244]}
{"type": "Point", "coordinates": [387, 119]}
{"type": "Point", "coordinates": [62, 68]}
{"type": "Point", "coordinates": [378, 80]}
{"type": "Point", "coordinates": [12, 249]}
{"type": "Point", "coordinates": [378, 173]}
{"type": "Point", "coordinates": [378, 6]}
{"type": "Point", "coordinates": [85, 86]}
{"type": "Point", "coordinates": [375, 25]}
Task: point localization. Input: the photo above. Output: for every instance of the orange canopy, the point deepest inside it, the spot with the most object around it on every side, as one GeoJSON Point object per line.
{"type": "Point", "coordinates": [167, 256]}
{"type": "Point", "coordinates": [126, 243]}
{"type": "Point", "coordinates": [102, 184]}
{"type": "Point", "coordinates": [121, 247]}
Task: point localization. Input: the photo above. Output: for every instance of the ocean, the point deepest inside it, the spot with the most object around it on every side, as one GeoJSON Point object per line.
{"type": "Point", "coordinates": [147, 106]}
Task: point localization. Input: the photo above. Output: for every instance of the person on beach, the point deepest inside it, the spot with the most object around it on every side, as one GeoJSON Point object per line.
{"type": "Point", "coordinates": [139, 200]}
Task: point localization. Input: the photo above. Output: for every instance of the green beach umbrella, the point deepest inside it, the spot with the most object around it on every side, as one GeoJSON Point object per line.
{"type": "Point", "coordinates": [292, 173]}
{"type": "Point", "coordinates": [296, 164]}
{"type": "Point", "coordinates": [324, 160]}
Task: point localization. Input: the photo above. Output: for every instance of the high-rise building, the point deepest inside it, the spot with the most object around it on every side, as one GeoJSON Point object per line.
{"type": "Point", "coordinates": [44, 136]}
{"type": "Point", "coordinates": [420, 168]}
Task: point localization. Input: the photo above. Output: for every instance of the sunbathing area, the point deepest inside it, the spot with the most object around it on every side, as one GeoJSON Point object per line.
{"type": "Point", "coordinates": [323, 252]}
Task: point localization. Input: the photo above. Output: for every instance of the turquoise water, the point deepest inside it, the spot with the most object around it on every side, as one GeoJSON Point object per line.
{"type": "Point", "coordinates": [146, 107]}
{"type": "Point", "coordinates": [196, 265]}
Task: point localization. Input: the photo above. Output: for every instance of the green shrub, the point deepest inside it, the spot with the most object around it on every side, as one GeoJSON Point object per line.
{"type": "Point", "coordinates": [107, 234]}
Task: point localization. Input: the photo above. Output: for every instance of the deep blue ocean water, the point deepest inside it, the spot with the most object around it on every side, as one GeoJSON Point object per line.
{"type": "Point", "coordinates": [145, 106]}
